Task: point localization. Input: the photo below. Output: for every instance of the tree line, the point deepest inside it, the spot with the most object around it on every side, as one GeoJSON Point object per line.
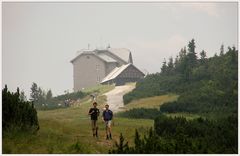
{"type": "Point", "coordinates": [45, 100]}
{"type": "Point", "coordinates": [204, 84]}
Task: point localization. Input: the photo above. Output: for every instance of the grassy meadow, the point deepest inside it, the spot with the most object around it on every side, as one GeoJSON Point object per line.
{"type": "Point", "coordinates": [68, 130]}
{"type": "Point", "coordinates": [151, 102]}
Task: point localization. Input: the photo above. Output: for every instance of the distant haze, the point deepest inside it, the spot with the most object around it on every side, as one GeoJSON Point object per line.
{"type": "Point", "coordinates": [40, 39]}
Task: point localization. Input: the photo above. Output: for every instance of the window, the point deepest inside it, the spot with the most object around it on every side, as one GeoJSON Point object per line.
{"type": "Point", "coordinates": [97, 67]}
{"type": "Point", "coordinates": [98, 78]}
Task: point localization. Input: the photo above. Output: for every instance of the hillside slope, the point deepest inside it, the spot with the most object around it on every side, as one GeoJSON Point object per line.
{"type": "Point", "coordinates": [68, 130]}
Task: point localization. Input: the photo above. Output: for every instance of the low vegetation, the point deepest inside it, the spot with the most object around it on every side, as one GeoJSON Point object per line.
{"type": "Point", "coordinates": [177, 135]}
{"type": "Point", "coordinates": [140, 113]}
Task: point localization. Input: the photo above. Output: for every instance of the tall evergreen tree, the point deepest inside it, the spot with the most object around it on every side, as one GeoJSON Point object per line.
{"type": "Point", "coordinates": [182, 54]}
{"type": "Point", "coordinates": [203, 56]}
{"type": "Point", "coordinates": [170, 66]}
{"type": "Point", "coordinates": [34, 96]}
{"type": "Point", "coordinates": [49, 95]}
{"type": "Point", "coordinates": [222, 50]}
{"type": "Point", "coordinates": [192, 55]}
{"type": "Point", "coordinates": [164, 67]}
{"type": "Point", "coordinates": [23, 96]}
{"type": "Point", "coordinates": [42, 96]}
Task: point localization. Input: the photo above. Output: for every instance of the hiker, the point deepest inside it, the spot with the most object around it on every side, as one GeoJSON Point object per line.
{"type": "Point", "coordinates": [107, 118]}
{"type": "Point", "coordinates": [94, 112]}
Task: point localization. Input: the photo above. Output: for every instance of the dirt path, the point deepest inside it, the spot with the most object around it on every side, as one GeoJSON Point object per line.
{"type": "Point", "coordinates": [115, 96]}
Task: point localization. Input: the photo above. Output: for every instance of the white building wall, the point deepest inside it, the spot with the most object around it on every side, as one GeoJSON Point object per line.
{"type": "Point", "coordinates": [88, 70]}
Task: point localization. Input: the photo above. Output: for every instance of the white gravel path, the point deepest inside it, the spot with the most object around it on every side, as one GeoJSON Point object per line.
{"type": "Point", "coordinates": [115, 96]}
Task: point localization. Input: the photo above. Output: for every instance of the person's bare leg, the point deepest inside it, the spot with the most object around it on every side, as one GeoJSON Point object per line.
{"type": "Point", "coordinates": [96, 127]}
{"type": "Point", "coordinates": [93, 128]}
{"type": "Point", "coordinates": [107, 131]}
{"type": "Point", "coordinates": [110, 131]}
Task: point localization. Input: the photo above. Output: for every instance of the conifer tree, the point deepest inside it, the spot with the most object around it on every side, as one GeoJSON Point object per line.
{"type": "Point", "coordinates": [34, 96]}
{"type": "Point", "coordinates": [222, 50]}
{"type": "Point", "coordinates": [192, 57]}
{"type": "Point", "coordinates": [164, 67]}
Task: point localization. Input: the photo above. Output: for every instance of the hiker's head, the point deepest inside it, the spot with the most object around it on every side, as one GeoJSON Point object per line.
{"type": "Point", "coordinates": [94, 104]}
{"type": "Point", "coordinates": [106, 106]}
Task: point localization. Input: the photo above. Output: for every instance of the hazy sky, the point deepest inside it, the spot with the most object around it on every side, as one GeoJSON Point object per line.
{"type": "Point", "coordinates": [40, 39]}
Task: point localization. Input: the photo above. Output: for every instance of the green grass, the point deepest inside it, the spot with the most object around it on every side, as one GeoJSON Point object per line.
{"type": "Point", "coordinates": [99, 88]}
{"type": "Point", "coordinates": [151, 102]}
{"type": "Point", "coordinates": [156, 102]}
{"type": "Point", "coordinates": [68, 130]}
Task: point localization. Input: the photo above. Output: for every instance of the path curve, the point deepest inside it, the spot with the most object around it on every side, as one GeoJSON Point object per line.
{"type": "Point", "coordinates": [115, 96]}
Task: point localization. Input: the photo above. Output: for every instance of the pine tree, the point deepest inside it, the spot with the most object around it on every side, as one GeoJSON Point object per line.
{"type": "Point", "coordinates": [34, 96]}
{"type": "Point", "coordinates": [176, 61]}
{"type": "Point", "coordinates": [182, 53]}
{"type": "Point", "coordinates": [138, 143]}
{"type": "Point", "coordinates": [203, 56]}
{"type": "Point", "coordinates": [170, 64]}
{"type": "Point", "coordinates": [23, 96]}
{"type": "Point", "coordinates": [17, 114]}
{"type": "Point", "coordinates": [192, 56]}
{"type": "Point", "coordinates": [41, 95]}
{"type": "Point", "coordinates": [164, 67]}
{"type": "Point", "coordinates": [122, 148]}
{"type": "Point", "coordinates": [222, 50]}
{"type": "Point", "coordinates": [49, 95]}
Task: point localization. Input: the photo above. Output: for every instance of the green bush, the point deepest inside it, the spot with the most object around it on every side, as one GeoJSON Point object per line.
{"type": "Point", "coordinates": [17, 114]}
{"type": "Point", "coordinates": [179, 136]}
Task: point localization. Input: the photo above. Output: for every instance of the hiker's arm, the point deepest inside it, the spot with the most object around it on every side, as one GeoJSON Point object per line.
{"type": "Point", "coordinates": [90, 112]}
